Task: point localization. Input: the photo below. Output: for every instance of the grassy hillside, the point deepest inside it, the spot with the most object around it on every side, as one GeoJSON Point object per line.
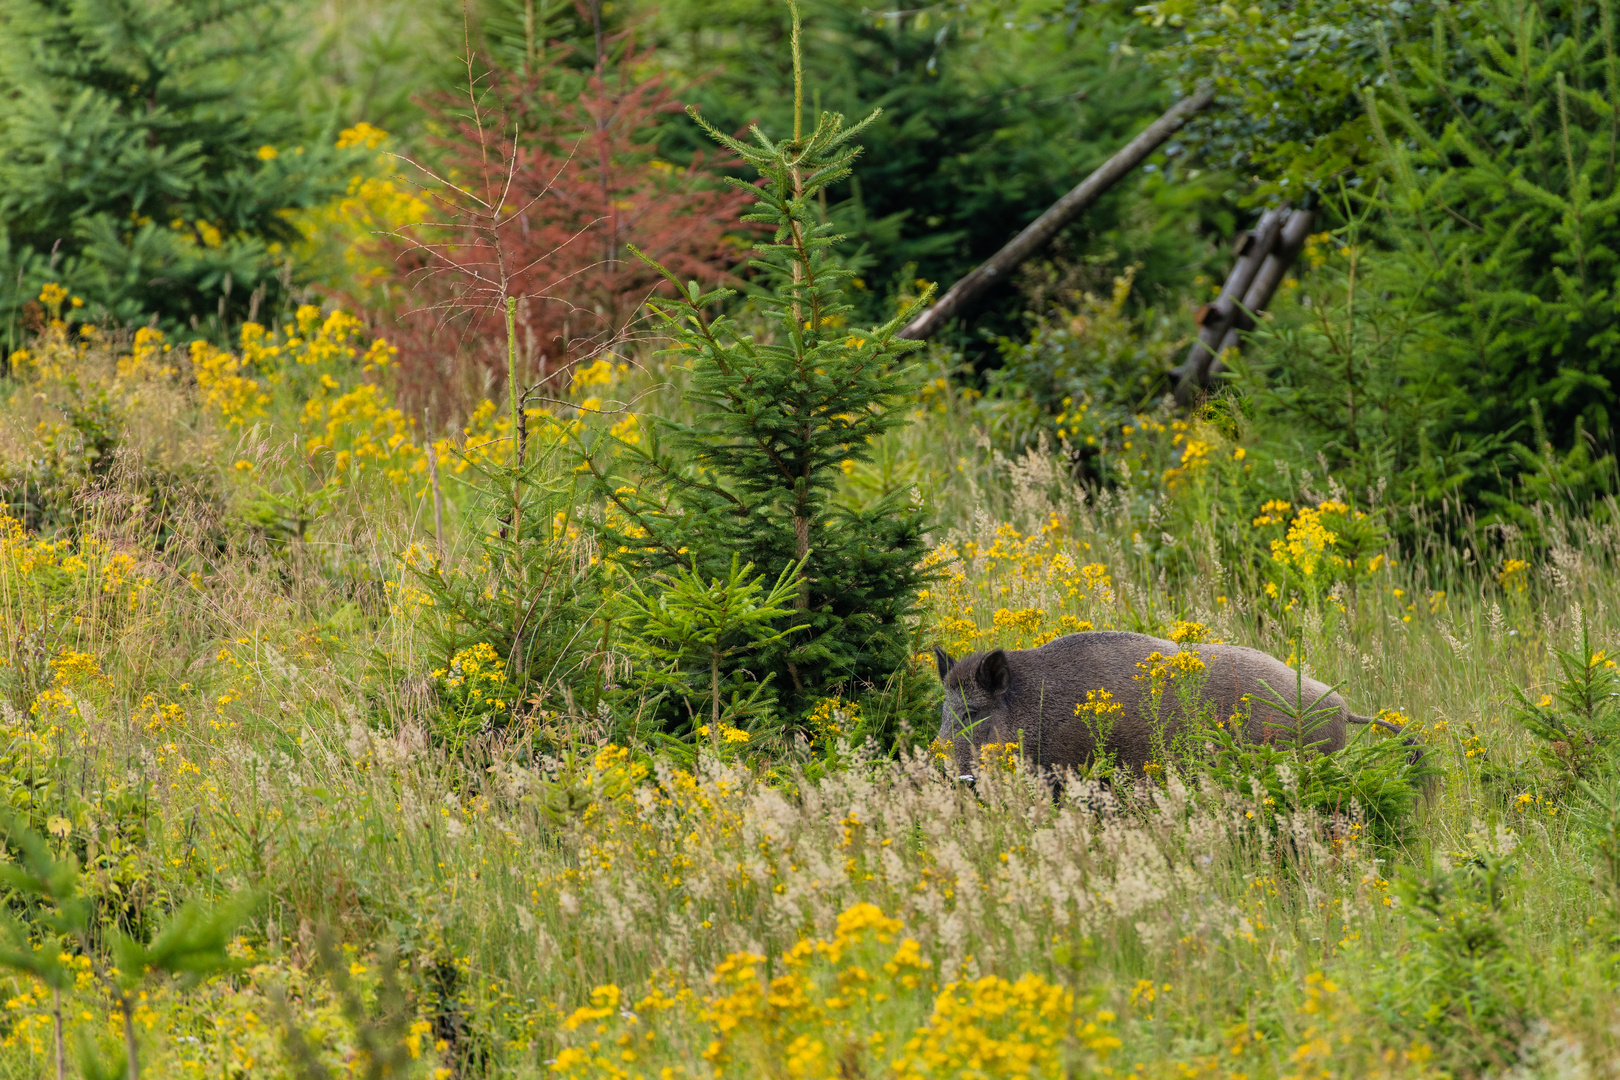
{"type": "Point", "coordinates": [222, 681]}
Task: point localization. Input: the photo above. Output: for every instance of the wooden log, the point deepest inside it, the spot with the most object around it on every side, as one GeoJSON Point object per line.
{"type": "Point", "coordinates": [1040, 232]}
{"type": "Point", "coordinates": [1215, 318]}
{"type": "Point", "coordinates": [1265, 283]}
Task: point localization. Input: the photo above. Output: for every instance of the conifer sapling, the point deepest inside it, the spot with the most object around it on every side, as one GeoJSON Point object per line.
{"type": "Point", "coordinates": [754, 474]}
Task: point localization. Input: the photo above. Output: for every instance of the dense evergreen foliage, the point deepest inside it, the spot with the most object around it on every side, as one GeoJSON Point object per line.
{"type": "Point", "coordinates": [1461, 327]}
{"type": "Point", "coordinates": [981, 130]}
{"type": "Point", "coordinates": [146, 160]}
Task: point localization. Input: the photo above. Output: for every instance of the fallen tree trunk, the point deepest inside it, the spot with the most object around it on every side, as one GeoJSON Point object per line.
{"type": "Point", "coordinates": [1040, 232]}
{"type": "Point", "coordinates": [1264, 256]}
{"type": "Point", "coordinates": [1216, 317]}
{"type": "Point", "coordinates": [1266, 280]}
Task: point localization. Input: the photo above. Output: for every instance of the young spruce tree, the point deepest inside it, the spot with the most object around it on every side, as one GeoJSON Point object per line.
{"type": "Point", "coordinates": [752, 475]}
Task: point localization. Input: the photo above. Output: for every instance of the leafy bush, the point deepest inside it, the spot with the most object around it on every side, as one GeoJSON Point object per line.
{"type": "Point", "coordinates": [1369, 789]}
{"type": "Point", "coordinates": [1341, 371]}
{"type": "Point", "coordinates": [1465, 984]}
{"type": "Point", "coordinates": [1088, 370]}
{"type": "Point", "coordinates": [1499, 212]}
{"type": "Point", "coordinates": [511, 624]}
{"type": "Point", "coordinates": [1289, 76]}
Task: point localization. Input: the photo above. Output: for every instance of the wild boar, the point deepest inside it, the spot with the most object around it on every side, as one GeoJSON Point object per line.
{"type": "Point", "coordinates": [1133, 691]}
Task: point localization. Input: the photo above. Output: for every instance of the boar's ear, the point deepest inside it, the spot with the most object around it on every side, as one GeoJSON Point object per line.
{"type": "Point", "coordinates": [993, 675]}
{"type": "Point", "coordinates": [943, 659]}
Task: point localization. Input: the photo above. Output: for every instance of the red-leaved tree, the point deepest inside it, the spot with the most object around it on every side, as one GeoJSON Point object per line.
{"type": "Point", "coordinates": [539, 197]}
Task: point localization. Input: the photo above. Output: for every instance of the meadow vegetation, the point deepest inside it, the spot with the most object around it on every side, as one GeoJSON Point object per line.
{"type": "Point", "coordinates": [222, 682]}
{"type": "Point", "coordinates": [437, 664]}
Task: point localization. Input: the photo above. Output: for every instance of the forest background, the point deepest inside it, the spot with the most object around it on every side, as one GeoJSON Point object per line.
{"type": "Point", "coordinates": [419, 662]}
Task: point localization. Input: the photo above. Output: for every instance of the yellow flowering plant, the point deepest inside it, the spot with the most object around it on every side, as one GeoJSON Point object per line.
{"type": "Point", "coordinates": [1514, 576]}
{"type": "Point", "coordinates": [193, 942]}
{"type": "Point", "coordinates": [1008, 588]}
{"type": "Point", "coordinates": [1176, 680]}
{"type": "Point", "coordinates": [1098, 714]}
{"type": "Point", "coordinates": [475, 696]}
{"type": "Point", "coordinates": [834, 727]}
{"type": "Point", "coordinates": [865, 1001]}
{"type": "Point", "coordinates": [832, 719]}
{"type": "Point", "coordinates": [1313, 549]}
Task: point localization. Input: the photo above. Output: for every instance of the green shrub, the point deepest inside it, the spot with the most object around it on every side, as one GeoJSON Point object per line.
{"type": "Point", "coordinates": [1457, 340]}
{"type": "Point", "coordinates": [1087, 371]}
{"type": "Point", "coordinates": [1289, 75]}
{"type": "Point", "coordinates": [1465, 984]}
{"type": "Point", "coordinates": [1576, 725]}
{"type": "Point", "coordinates": [511, 622]}
{"type": "Point", "coordinates": [685, 632]}
{"type": "Point", "coordinates": [1369, 789]}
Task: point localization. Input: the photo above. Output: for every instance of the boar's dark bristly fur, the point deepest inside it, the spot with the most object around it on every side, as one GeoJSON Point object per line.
{"type": "Point", "coordinates": [1029, 696]}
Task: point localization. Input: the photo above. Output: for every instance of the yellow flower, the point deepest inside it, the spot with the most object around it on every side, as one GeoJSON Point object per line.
{"type": "Point", "coordinates": [728, 734]}
{"type": "Point", "coordinates": [1158, 669]}
{"type": "Point", "coordinates": [1273, 512]}
{"type": "Point", "coordinates": [833, 717]}
{"type": "Point", "coordinates": [1002, 756]}
{"type": "Point", "coordinates": [362, 134]}
{"type": "Point", "coordinates": [1514, 575]}
{"type": "Point", "coordinates": [604, 1003]}
{"type": "Point", "coordinates": [1099, 703]}
{"type": "Point", "coordinates": [1305, 548]}
{"type": "Point", "coordinates": [1185, 631]}
{"type": "Point", "coordinates": [267, 153]}
{"type": "Point", "coordinates": [75, 668]}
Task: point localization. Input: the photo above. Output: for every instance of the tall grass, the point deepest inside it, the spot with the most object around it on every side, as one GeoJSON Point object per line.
{"type": "Point", "coordinates": [257, 714]}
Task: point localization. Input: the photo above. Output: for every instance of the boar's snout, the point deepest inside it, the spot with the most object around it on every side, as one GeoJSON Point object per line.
{"type": "Point", "coordinates": [973, 706]}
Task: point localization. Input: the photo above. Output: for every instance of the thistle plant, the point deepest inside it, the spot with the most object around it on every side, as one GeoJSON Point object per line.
{"type": "Point", "coordinates": [754, 471]}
